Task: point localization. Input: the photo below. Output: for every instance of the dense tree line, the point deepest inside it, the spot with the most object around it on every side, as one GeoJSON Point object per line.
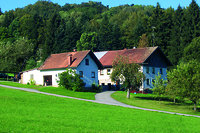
{"type": "Point", "coordinates": [50, 28]}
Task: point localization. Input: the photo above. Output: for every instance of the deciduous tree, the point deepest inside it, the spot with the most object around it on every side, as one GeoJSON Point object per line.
{"type": "Point", "coordinates": [88, 41]}
{"type": "Point", "coordinates": [192, 51]}
{"type": "Point", "coordinates": [159, 85]}
{"type": "Point", "coordinates": [186, 80]}
{"type": "Point", "coordinates": [128, 73]}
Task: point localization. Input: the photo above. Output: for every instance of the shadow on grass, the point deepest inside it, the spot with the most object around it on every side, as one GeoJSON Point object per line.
{"type": "Point", "coordinates": [167, 99]}
{"type": "Point", "coordinates": [5, 79]}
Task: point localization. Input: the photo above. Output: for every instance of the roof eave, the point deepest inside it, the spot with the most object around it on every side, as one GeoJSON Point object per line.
{"type": "Point", "coordinates": [157, 48]}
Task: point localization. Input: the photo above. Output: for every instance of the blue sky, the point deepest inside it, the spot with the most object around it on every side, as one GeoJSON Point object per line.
{"type": "Point", "coordinates": [6, 5]}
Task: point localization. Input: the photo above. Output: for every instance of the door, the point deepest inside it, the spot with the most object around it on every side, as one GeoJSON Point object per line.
{"type": "Point", "coordinates": [47, 80]}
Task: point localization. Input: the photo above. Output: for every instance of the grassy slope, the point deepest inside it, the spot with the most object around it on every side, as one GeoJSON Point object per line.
{"type": "Point", "coordinates": [54, 90]}
{"type": "Point", "coordinates": [29, 112]}
{"type": "Point", "coordinates": [136, 100]}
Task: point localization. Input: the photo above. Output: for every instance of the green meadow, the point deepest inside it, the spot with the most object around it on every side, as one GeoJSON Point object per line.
{"type": "Point", "coordinates": [54, 90]}
{"type": "Point", "coordinates": [150, 101]}
{"type": "Point", "coordinates": [30, 112]}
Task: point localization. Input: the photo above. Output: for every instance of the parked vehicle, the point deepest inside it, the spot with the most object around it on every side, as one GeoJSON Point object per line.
{"type": "Point", "coordinates": [3, 75]}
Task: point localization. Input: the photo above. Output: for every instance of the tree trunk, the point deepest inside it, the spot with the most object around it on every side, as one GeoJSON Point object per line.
{"type": "Point", "coordinates": [174, 100]}
{"type": "Point", "coordinates": [128, 93]}
{"type": "Point", "coordinates": [195, 106]}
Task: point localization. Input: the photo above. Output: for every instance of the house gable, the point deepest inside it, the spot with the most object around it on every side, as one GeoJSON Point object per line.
{"type": "Point", "coordinates": [156, 63]}
{"type": "Point", "coordinates": [157, 59]}
{"type": "Point", "coordinates": [88, 68]}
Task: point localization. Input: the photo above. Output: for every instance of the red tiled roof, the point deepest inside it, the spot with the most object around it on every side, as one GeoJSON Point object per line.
{"type": "Point", "coordinates": [56, 61]}
{"type": "Point", "coordinates": [138, 55]}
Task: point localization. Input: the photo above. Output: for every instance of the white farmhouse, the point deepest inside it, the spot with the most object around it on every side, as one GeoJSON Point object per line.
{"type": "Point", "coordinates": [151, 59]}
{"type": "Point", "coordinates": [85, 63]}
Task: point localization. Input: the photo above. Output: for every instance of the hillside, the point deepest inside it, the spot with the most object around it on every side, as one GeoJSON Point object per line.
{"type": "Point", "coordinates": [29, 35]}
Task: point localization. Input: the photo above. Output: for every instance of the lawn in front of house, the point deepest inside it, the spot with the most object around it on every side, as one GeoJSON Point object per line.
{"type": "Point", "coordinates": [53, 90]}
{"type": "Point", "coordinates": [31, 112]}
{"type": "Point", "coordinates": [148, 101]}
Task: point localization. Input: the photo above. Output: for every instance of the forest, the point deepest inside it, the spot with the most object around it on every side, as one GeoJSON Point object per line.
{"type": "Point", "coordinates": [29, 35]}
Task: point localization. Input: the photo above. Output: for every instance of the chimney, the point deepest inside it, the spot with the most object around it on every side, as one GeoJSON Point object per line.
{"type": "Point", "coordinates": [69, 57]}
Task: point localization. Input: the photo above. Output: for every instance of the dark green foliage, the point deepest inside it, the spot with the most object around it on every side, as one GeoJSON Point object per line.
{"type": "Point", "coordinates": [96, 88]}
{"type": "Point", "coordinates": [9, 17]}
{"type": "Point", "coordinates": [0, 11]}
{"type": "Point", "coordinates": [70, 80]}
{"type": "Point", "coordinates": [192, 51]}
{"type": "Point", "coordinates": [13, 56]}
{"type": "Point", "coordinates": [88, 41]}
{"type": "Point", "coordinates": [175, 49]}
{"type": "Point", "coordinates": [4, 34]}
{"type": "Point", "coordinates": [30, 64]}
{"type": "Point", "coordinates": [55, 29]}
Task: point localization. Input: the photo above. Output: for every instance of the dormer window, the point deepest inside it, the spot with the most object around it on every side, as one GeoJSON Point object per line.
{"type": "Point", "coordinates": [87, 62]}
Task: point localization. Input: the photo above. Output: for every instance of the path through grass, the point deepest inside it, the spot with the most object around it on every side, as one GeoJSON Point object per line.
{"type": "Point", "coordinates": [54, 90]}
{"type": "Point", "coordinates": [30, 112]}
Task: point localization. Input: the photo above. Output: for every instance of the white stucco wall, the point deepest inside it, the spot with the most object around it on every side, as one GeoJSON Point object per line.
{"type": "Point", "coordinates": [87, 71]}
{"type": "Point", "coordinates": [105, 77]}
{"type": "Point", "coordinates": [38, 76]}
{"type": "Point", "coordinates": [54, 74]}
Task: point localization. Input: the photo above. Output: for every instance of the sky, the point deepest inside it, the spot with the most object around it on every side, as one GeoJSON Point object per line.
{"type": "Point", "coordinates": [7, 5]}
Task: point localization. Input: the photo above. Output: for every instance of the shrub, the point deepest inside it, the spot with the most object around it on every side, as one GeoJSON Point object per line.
{"type": "Point", "coordinates": [96, 88]}
{"type": "Point", "coordinates": [70, 80]}
{"type": "Point", "coordinates": [31, 82]}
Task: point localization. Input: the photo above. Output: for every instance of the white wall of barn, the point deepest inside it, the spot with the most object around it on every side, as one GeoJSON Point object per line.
{"type": "Point", "coordinates": [38, 76]}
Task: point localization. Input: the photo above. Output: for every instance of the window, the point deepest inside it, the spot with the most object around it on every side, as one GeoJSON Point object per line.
{"type": "Point", "coordinates": [93, 74]}
{"type": "Point", "coordinates": [147, 70]}
{"type": "Point", "coordinates": [87, 62]}
{"type": "Point", "coordinates": [101, 72]}
{"type": "Point", "coordinates": [81, 73]}
{"type": "Point", "coordinates": [148, 82]}
{"type": "Point", "coordinates": [108, 71]}
{"type": "Point", "coordinates": [31, 76]}
{"type": "Point", "coordinates": [153, 70]}
{"type": "Point", "coordinates": [161, 71]}
{"type": "Point", "coordinates": [102, 84]}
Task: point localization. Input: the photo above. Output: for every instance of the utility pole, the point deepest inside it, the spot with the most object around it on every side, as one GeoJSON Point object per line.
{"type": "Point", "coordinates": [153, 35]}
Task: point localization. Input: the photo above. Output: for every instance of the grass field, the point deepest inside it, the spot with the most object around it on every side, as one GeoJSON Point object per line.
{"type": "Point", "coordinates": [29, 112]}
{"type": "Point", "coordinates": [54, 90]}
{"type": "Point", "coordinates": [145, 101]}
